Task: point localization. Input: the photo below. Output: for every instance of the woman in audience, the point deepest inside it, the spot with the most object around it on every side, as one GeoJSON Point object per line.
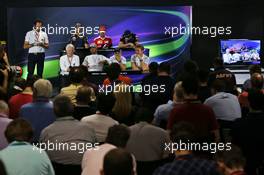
{"type": "Point", "coordinates": [123, 111]}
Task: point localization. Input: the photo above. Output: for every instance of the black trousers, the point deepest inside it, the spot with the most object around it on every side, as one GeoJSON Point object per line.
{"type": "Point", "coordinates": [33, 60]}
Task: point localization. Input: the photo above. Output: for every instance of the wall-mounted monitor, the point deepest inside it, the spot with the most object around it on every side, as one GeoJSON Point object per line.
{"type": "Point", "coordinates": [240, 51]}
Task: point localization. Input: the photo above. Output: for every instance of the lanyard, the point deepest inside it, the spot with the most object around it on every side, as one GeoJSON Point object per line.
{"type": "Point", "coordinates": [70, 60]}
{"type": "Point", "coordinates": [36, 36]}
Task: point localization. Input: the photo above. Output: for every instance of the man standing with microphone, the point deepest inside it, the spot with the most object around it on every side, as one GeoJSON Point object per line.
{"type": "Point", "coordinates": [36, 41]}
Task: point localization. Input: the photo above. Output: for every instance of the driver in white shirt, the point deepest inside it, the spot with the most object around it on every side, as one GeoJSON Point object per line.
{"type": "Point", "coordinates": [66, 63]}
{"type": "Point", "coordinates": [95, 62]}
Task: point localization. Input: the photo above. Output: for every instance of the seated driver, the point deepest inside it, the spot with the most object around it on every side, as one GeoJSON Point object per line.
{"type": "Point", "coordinates": [140, 61]}
{"type": "Point", "coordinates": [95, 62]}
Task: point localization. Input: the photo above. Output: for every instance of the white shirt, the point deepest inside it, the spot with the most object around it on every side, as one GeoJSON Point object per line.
{"type": "Point", "coordinates": [93, 160]}
{"type": "Point", "coordinates": [136, 59]}
{"type": "Point", "coordinates": [66, 62]}
{"type": "Point", "coordinates": [92, 62]}
{"type": "Point", "coordinates": [114, 60]}
{"type": "Point", "coordinates": [100, 123]}
{"type": "Point", "coordinates": [32, 38]}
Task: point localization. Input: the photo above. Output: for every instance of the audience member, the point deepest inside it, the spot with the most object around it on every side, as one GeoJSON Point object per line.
{"type": "Point", "coordinates": [118, 162]}
{"type": "Point", "coordinates": [153, 72]}
{"type": "Point", "coordinates": [147, 142]}
{"type": "Point", "coordinates": [67, 131]}
{"type": "Point", "coordinates": [199, 115]}
{"type": "Point", "coordinates": [256, 83]}
{"type": "Point", "coordinates": [223, 74]}
{"type": "Point", "coordinates": [123, 110]}
{"type": "Point", "coordinates": [20, 157]}
{"type": "Point", "coordinates": [204, 91]}
{"type": "Point", "coordinates": [162, 112]}
{"type": "Point", "coordinates": [39, 113]}
{"type": "Point", "coordinates": [83, 107]}
{"type": "Point", "coordinates": [113, 76]}
{"type": "Point", "coordinates": [117, 137]}
{"type": "Point", "coordinates": [26, 96]}
{"type": "Point", "coordinates": [231, 162]}
{"type": "Point", "coordinates": [190, 67]}
{"type": "Point", "coordinates": [154, 99]}
{"type": "Point", "coordinates": [76, 76]}
{"type": "Point", "coordinates": [252, 69]}
{"type": "Point", "coordinates": [186, 162]}
{"type": "Point", "coordinates": [225, 105]}
{"type": "Point", "coordinates": [4, 121]}
{"type": "Point", "coordinates": [246, 132]}
{"type": "Point", "coordinates": [102, 120]}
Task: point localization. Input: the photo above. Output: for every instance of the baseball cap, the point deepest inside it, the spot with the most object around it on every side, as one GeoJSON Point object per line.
{"type": "Point", "coordinates": [102, 29]}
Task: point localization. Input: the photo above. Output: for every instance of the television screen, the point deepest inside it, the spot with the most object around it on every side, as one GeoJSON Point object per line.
{"type": "Point", "coordinates": [240, 52]}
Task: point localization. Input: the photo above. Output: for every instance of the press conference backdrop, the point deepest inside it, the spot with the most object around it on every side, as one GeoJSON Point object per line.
{"type": "Point", "coordinates": [150, 24]}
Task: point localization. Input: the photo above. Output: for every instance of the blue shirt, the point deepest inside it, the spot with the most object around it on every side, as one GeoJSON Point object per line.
{"type": "Point", "coordinates": [162, 112]}
{"type": "Point", "coordinates": [39, 114]}
{"type": "Point", "coordinates": [21, 158]}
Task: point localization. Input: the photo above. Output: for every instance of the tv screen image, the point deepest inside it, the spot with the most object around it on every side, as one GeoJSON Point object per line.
{"type": "Point", "coordinates": [240, 52]}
